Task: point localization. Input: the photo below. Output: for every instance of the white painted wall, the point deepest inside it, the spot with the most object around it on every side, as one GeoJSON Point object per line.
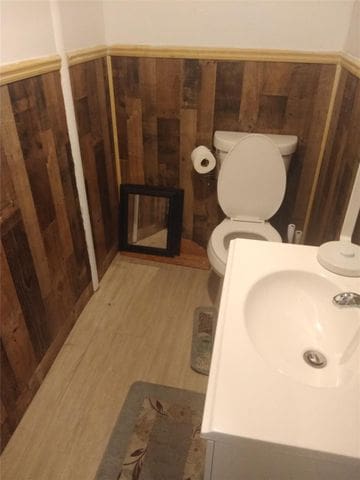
{"type": "Point", "coordinates": [309, 25]}
{"type": "Point", "coordinates": [82, 24]}
{"type": "Point", "coordinates": [352, 44]}
{"type": "Point", "coordinates": [26, 30]}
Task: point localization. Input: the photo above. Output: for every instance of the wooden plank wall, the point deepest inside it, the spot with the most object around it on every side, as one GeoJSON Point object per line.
{"type": "Point", "coordinates": [165, 107]}
{"type": "Point", "coordinates": [90, 88]}
{"type": "Point", "coordinates": [45, 273]}
{"type": "Point", "coordinates": [339, 167]}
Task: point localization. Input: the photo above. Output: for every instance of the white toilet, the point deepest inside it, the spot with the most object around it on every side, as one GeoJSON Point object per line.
{"type": "Point", "coordinates": [250, 188]}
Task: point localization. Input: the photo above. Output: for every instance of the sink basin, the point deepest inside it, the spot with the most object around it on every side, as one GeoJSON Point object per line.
{"type": "Point", "coordinates": [290, 313]}
{"type": "Point", "coordinates": [285, 369]}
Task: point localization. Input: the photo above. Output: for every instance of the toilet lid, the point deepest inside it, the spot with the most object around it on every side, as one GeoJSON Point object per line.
{"type": "Point", "coordinates": [252, 179]}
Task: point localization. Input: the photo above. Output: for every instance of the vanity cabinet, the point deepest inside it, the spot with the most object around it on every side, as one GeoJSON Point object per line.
{"type": "Point", "coordinates": [249, 460]}
{"type": "Point", "coordinates": [272, 410]}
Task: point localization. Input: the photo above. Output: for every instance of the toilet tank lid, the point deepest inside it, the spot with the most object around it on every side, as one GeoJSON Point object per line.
{"type": "Point", "coordinates": [224, 141]}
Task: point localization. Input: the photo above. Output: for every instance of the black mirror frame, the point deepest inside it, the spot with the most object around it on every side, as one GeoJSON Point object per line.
{"type": "Point", "coordinates": [174, 222]}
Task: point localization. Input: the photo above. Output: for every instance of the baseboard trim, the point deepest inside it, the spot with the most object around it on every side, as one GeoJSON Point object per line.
{"type": "Point", "coordinates": [351, 64]}
{"type": "Point", "coordinates": [13, 72]}
{"type": "Point", "coordinates": [87, 54]}
{"type": "Point", "coordinates": [209, 53]}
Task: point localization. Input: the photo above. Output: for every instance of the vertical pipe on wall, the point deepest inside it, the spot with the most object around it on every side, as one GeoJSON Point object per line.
{"type": "Point", "coordinates": [74, 138]}
{"type": "Point", "coordinates": [322, 149]}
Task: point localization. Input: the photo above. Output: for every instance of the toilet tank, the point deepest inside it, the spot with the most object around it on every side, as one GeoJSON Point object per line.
{"type": "Point", "coordinates": [224, 141]}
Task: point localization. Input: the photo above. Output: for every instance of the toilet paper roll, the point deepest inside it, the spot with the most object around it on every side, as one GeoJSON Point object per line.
{"type": "Point", "coordinates": [203, 160]}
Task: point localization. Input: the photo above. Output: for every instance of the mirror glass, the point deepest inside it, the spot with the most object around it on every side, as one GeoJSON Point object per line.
{"type": "Point", "coordinates": [147, 220]}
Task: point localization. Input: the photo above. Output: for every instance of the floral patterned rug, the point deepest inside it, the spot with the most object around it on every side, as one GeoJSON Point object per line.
{"type": "Point", "coordinates": [156, 437]}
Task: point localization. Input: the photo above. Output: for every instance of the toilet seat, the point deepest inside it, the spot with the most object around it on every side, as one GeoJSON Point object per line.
{"type": "Point", "coordinates": [218, 245]}
{"type": "Point", "coordinates": [252, 179]}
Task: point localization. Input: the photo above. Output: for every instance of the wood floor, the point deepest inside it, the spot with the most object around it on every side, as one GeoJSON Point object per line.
{"type": "Point", "coordinates": [137, 326]}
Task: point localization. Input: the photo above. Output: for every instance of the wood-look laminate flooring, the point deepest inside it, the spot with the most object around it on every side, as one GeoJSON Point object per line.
{"type": "Point", "coordinates": [137, 326]}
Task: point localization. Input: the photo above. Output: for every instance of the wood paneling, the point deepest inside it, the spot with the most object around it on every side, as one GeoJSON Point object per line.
{"type": "Point", "coordinates": [339, 167]}
{"type": "Point", "coordinates": [165, 107]}
{"type": "Point", "coordinates": [92, 106]}
{"type": "Point", "coordinates": [45, 274]}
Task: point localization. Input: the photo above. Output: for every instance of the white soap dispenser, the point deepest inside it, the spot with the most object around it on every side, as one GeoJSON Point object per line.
{"type": "Point", "coordinates": [342, 256]}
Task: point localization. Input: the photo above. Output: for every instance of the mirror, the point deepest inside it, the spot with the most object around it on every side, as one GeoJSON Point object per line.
{"type": "Point", "coordinates": [147, 220]}
{"type": "Point", "coordinates": [150, 219]}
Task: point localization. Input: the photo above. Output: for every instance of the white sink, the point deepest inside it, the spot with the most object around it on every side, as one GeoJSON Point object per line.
{"type": "Point", "coordinates": [276, 305]}
{"type": "Point", "coordinates": [289, 313]}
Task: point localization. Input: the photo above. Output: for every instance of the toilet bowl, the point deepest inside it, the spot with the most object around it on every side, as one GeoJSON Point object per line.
{"type": "Point", "coordinates": [251, 187]}
{"type": "Point", "coordinates": [227, 230]}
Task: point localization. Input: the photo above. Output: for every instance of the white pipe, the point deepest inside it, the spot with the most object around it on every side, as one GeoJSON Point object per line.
{"type": "Point", "coordinates": [352, 210]}
{"type": "Point", "coordinates": [290, 232]}
{"type": "Point", "coordinates": [74, 137]}
{"type": "Point", "coordinates": [298, 236]}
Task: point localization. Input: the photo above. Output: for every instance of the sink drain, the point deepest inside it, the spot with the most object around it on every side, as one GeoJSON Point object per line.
{"type": "Point", "coordinates": [315, 359]}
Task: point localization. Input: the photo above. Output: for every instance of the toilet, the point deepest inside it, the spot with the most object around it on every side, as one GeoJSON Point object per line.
{"type": "Point", "coordinates": [251, 187]}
